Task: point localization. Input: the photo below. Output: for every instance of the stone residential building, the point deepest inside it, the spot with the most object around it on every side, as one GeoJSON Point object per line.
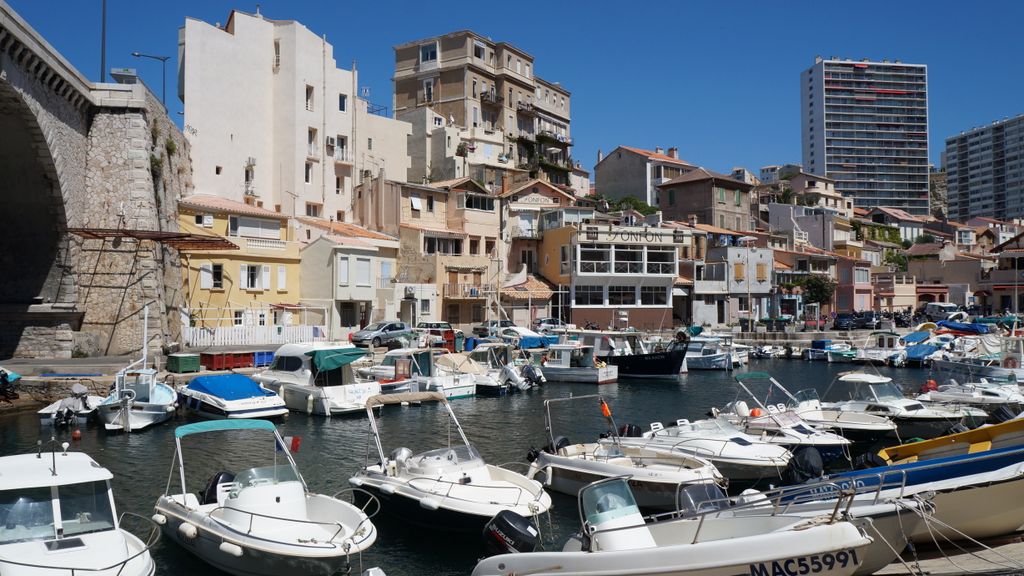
{"type": "Point", "coordinates": [854, 292]}
{"type": "Point", "coordinates": [635, 172]}
{"type": "Point", "coordinates": [748, 280]}
{"type": "Point", "coordinates": [275, 123]}
{"type": "Point", "coordinates": [490, 94]}
{"type": "Point", "coordinates": [910, 226]}
{"type": "Point", "coordinates": [714, 198]}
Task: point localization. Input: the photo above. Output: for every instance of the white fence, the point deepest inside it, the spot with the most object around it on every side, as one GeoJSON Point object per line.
{"type": "Point", "coordinates": [195, 337]}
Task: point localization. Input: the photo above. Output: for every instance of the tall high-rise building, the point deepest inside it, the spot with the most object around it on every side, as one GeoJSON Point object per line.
{"type": "Point", "coordinates": [985, 171]}
{"type": "Point", "coordinates": [865, 125]}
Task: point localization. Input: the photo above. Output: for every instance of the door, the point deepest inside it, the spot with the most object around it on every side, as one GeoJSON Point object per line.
{"type": "Point", "coordinates": [721, 311]}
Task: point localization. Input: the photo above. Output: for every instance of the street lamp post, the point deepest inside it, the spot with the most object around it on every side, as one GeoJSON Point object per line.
{"type": "Point", "coordinates": [163, 84]}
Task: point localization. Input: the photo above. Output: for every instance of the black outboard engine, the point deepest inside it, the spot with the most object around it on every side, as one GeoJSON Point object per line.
{"type": "Point", "coordinates": [508, 533]}
{"type": "Point", "coordinates": [560, 442]}
{"type": "Point", "coordinates": [209, 496]}
{"type": "Point", "coordinates": [630, 431]}
{"type": "Point", "coordinates": [805, 465]}
{"type": "Point", "coordinates": [64, 418]}
{"type": "Point", "coordinates": [1001, 414]}
{"type": "Point", "coordinates": [868, 460]}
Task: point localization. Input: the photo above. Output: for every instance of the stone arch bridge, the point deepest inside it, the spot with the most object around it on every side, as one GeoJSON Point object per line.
{"type": "Point", "coordinates": [78, 156]}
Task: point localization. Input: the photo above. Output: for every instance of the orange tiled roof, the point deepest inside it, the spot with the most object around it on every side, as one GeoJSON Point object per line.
{"type": "Point", "coordinates": [219, 204]}
{"type": "Point", "coordinates": [344, 229]}
{"type": "Point", "coordinates": [656, 156]}
{"type": "Point", "coordinates": [533, 288]}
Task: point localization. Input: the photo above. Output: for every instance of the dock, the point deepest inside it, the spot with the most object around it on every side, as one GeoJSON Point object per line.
{"type": "Point", "coordinates": [1004, 556]}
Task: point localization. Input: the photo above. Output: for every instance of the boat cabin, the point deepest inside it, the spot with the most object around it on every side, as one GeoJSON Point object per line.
{"type": "Point", "coordinates": [609, 342]}
{"type": "Point", "coordinates": [569, 356]}
{"type": "Point", "coordinates": [409, 362]}
{"type": "Point", "coordinates": [140, 381]}
{"type": "Point", "coordinates": [884, 341]}
{"type": "Point", "coordinates": [493, 355]}
{"type": "Point", "coordinates": [318, 364]}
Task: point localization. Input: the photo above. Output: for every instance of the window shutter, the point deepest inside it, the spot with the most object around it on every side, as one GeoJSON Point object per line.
{"type": "Point", "coordinates": [739, 272]}
{"type": "Point", "coordinates": [207, 220]}
{"type": "Point", "coordinates": [282, 277]}
{"type": "Point", "coordinates": [266, 277]}
{"type": "Point", "coordinates": [762, 272]}
{"type": "Point", "coordinates": [243, 277]}
{"type": "Point", "coordinates": [206, 276]}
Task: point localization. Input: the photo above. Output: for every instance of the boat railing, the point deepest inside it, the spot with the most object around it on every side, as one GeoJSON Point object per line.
{"type": "Point", "coordinates": [147, 543]}
{"type": "Point", "coordinates": [311, 543]}
{"type": "Point", "coordinates": [449, 485]}
{"type": "Point", "coordinates": [370, 499]}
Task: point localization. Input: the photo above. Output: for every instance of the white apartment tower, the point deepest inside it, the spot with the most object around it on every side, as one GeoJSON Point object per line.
{"type": "Point", "coordinates": [274, 122]}
{"type": "Point", "coordinates": [865, 125]}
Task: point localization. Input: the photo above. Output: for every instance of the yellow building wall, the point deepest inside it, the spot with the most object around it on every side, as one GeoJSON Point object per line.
{"type": "Point", "coordinates": [550, 254]}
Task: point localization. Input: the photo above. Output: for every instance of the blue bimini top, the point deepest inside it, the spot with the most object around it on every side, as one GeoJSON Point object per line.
{"type": "Point", "coordinates": [229, 387]}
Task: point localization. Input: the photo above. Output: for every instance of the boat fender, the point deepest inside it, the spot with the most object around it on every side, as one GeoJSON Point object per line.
{"type": "Point", "coordinates": [309, 404]}
{"type": "Point", "coordinates": [430, 504]}
{"type": "Point", "coordinates": [231, 549]}
{"type": "Point", "coordinates": [189, 531]}
{"type": "Point", "coordinates": [159, 519]}
{"type": "Point", "coordinates": [387, 489]}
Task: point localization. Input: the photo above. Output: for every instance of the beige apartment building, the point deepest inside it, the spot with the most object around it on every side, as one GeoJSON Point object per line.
{"type": "Point", "coordinates": [481, 103]}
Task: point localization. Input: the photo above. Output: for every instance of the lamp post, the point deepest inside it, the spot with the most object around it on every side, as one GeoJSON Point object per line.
{"type": "Point", "coordinates": [163, 62]}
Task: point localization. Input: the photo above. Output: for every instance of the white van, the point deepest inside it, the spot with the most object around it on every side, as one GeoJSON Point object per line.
{"type": "Point", "coordinates": [936, 311]}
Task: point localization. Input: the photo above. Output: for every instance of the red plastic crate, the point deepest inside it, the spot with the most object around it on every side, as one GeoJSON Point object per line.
{"type": "Point", "coordinates": [216, 360]}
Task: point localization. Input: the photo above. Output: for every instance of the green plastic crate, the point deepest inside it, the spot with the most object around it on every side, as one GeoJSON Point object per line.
{"type": "Point", "coordinates": [182, 363]}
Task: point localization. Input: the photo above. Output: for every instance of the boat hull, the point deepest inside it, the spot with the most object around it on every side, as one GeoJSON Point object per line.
{"type": "Point", "coordinates": [206, 409]}
{"type": "Point", "coordinates": [976, 511]}
{"type": "Point", "coordinates": [138, 417]}
{"type": "Point", "coordinates": [606, 375]}
{"type": "Point", "coordinates": [654, 365]}
{"type": "Point", "coordinates": [720, 361]}
{"type": "Point", "coordinates": [409, 511]}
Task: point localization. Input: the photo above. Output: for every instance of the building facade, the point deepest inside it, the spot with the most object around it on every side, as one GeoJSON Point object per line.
{"type": "Point", "coordinates": [628, 171]}
{"type": "Point", "coordinates": [985, 171]}
{"type": "Point", "coordinates": [273, 122]}
{"type": "Point", "coordinates": [715, 199]}
{"type": "Point", "coordinates": [865, 124]}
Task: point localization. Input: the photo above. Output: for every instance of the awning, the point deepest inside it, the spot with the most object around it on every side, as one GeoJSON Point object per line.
{"type": "Point", "coordinates": [325, 360]}
{"type": "Point", "coordinates": [680, 292]}
{"type": "Point", "coordinates": [417, 202]}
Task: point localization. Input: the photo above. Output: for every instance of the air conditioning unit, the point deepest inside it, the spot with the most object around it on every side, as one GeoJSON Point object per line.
{"type": "Point", "coordinates": [251, 161]}
{"type": "Point", "coordinates": [410, 292]}
{"type": "Point", "coordinates": [330, 141]}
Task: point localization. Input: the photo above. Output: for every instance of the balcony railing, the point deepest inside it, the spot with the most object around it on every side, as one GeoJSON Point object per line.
{"type": "Point", "coordinates": [525, 108]}
{"type": "Point", "coordinates": [467, 291]}
{"type": "Point", "coordinates": [594, 267]}
{"type": "Point", "coordinates": [343, 155]}
{"type": "Point", "coordinates": [629, 267]}
{"type": "Point", "coordinates": [526, 233]}
{"type": "Point", "coordinates": [549, 136]}
{"type": "Point", "coordinates": [661, 267]}
{"type": "Point", "coordinates": [265, 244]}
{"type": "Point", "coordinates": [492, 98]}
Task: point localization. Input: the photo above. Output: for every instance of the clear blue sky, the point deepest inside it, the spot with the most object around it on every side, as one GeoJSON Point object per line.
{"type": "Point", "coordinates": [717, 79]}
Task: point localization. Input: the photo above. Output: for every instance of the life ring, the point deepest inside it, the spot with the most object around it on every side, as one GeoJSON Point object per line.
{"type": "Point", "coordinates": [1010, 362]}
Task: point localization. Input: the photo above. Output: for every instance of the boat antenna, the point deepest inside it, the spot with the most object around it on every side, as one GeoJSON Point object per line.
{"type": "Point", "coordinates": [53, 454]}
{"type": "Point", "coordinates": [39, 449]}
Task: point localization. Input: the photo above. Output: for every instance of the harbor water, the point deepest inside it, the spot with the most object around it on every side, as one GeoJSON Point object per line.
{"type": "Point", "coordinates": [502, 429]}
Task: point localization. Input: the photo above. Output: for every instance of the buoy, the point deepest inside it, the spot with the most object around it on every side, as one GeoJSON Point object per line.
{"type": "Point", "coordinates": [232, 549]}
{"type": "Point", "coordinates": [76, 434]}
{"type": "Point", "coordinates": [159, 519]}
{"type": "Point", "coordinates": [187, 530]}
{"type": "Point", "coordinates": [756, 413]}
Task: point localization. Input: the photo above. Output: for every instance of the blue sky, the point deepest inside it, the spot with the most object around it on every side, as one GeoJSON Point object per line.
{"type": "Point", "coordinates": [717, 79]}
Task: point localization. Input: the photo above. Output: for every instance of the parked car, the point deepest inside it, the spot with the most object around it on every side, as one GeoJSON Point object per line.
{"type": "Point", "coordinates": [844, 322]}
{"type": "Point", "coordinates": [491, 327]}
{"type": "Point", "coordinates": [436, 331]}
{"type": "Point", "coordinates": [869, 320]}
{"type": "Point", "coordinates": [381, 333]}
{"type": "Point", "coordinates": [936, 311]}
{"type": "Point", "coordinates": [548, 324]}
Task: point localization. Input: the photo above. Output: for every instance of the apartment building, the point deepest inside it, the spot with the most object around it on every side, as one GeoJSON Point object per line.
{"type": "Point", "coordinates": [635, 172]}
{"type": "Point", "coordinates": [273, 122]}
{"type": "Point", "coordinates": [776, 172]}
{"type": "Point", "coordinates": [985, 171]}
{"type": "Point", "coordinates": [865, 124]}
{"type": "Point", "coordinates": [521, 210]}
{"type": "Point", "coordinates": [482, 96]}
{"type": "Point", "coordinates": [745, 281]}
{"type": "Point", "coordinates": [715, 199]}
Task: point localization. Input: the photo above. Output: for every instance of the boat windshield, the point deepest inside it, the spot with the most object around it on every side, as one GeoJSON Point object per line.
{"type": "Point", "coordinates": [266, 475]}
{"type": "Point", "coordinates": [886, 391]}
{"type": "Point", "coordinates": [85, 508]}
{"type": "Point", "coordinates": [606, 501]}
{"type": "Point", "coordinates": [26, 514]}
{"type": "Point", "coordinates": [807, 395]}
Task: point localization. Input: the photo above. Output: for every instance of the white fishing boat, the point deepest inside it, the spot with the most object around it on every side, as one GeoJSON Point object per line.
{"type": "Point", "coordinates": [502, 360]}
{"type": "Point", "coordinates": [878, 395]}
{"type": "Point", "coordinates": [318, 378]}
{"type": "Point", "coordinates": [654, 473]}
{"type": "Point", "coordinates": [880, 348]}
{"type": "Point", "coordinates": [703, 353]}
{"type": "Point", "coordinates": [414, 369]}
{"type": "Point", "coordinates": [575, 363]}
{"type": "Point", "coordinates": [740, 457]}
{"type": "Point", "coordinates": [57, 516]}
{"type": "Point", "coordinates": [75, 410]}
{"type": "Point", "coordinates": [487, 382]}
{"type": "Point", "coordinates": [230, 396]}
{"type": "Point", "coordinates": [615, 538]}
{"type": "Point", "coordinates": [447, 488]}
{"type": "Point", "coordinates": [984, 394]}
{"type": "Point", "coordinates": [262, 521]}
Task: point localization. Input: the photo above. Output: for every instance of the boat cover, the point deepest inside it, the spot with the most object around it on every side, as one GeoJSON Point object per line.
{"type": "Point", "coordinates": [325, 360]}
{"type": "Point", "coordinates": [963, 327]}
{"type": "Point", "coordinates": [916, 337]}
{"type": "Point", "coordinates": [918, 352]}
{"type": "Point", "coordinates": [228, 387]}
{"type": "Point", "coordinates": [218, 425]}
{"type": "Point", "coordinates": [526, 342]}
{"type": "Point", "coordinates": [12, 376]}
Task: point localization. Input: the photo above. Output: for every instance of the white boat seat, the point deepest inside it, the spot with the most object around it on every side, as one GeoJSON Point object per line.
{"type": "Point", "coordinates": [772, 409]}
{"type": "Point", "coordinates": [657, 426]}
{"type": "Point", "coordinates": [682, 422]}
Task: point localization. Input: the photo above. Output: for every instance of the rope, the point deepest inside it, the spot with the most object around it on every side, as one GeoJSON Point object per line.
{"type": "Point", "coordinates": [890, 546]}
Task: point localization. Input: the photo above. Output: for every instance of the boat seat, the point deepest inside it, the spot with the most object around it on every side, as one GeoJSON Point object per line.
{"type": "Point", "coordinates": [657, 426]}
{"type": "Point", "coordinates": [683, 422]}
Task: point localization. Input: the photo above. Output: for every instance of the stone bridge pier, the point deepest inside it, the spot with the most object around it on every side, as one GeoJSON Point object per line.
{"type": "Point", "coordinates": [78, 156]}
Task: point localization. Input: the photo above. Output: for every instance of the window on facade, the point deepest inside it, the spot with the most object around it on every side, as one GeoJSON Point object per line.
{"type": "Point", "coordinates": [473, 92]}
{"type": "Point", "coordinates": [342, 270]}
{"type": "Point", "coordinates": [337, 186]}
{"type": "Point", "coordinates": [478, 50]}
{"type": "Point", "coordinates": [762, 272]}
{"type": "Point", "coordinates": [251, 277]}
{"type": "Point", "coordinates": [861, 275]}
{"type": "Point", "coordinates": [362, 272]}
{"type": "Point", "coordinates": [563, 262]}
{"type": "Point", "coordinates": [738, 197]}
{"type": "Point", "coordinates": [313, 210]}
{"type": "Point", "coordinates": [488, 247]}
{"type": "Point", "coordinates": [342, 102]}
{"type": "Point", "coordinates": [739, 272]}
{"type": "Point", "coordinates": [217, 170]}
{"type": "Point", "coordinates": [217, 276]}
{"type": "Point", "coordinates": [428, 90]}
{"type": "Point", "coordinates": [385, 271]}
{"type": "Point", "coordinates": [308, 178]}
{"type": "Point", "coordinates": [519, 66]}
{"type": "Point", "coordinates": [428, 53]}
{"type": "Point", "coordinates": [478, 313]}
{"type": "Point", "coordinates": [309, 98]}
{"type": "Point", "coordinates": [433, 245]}
{"type": "Point", "coordinates": [232, 225]}
{"type": "Point", "coordinates": [282, 278]}
{"type": "Point", "coordinates": [476, 202]}
{"type": "Point", "coordinates": [622, 296]}
{"type": "Point", "coordinates": [739, 223]}
{"type": "Point", "coordinates": [588, 296]}
{"type": "Point", "coordinates": [430, 202]}
{"type": "Point", "coordinates": [474, 246]}
{"type": "Point", "coordinates": [369, 143]}
{"type": "Point", "coordinates": [239, 317]}
{"type": "Point", "coordinates": [424, 306]}
{"type": "Point", "coordinates": [527, 73]}
{"type": "Point", "coordinates": [721, 220]}
{"type": "Point", "coordinates": [653, 296]}
{"type": "Point", "coordinates": [744, 304]}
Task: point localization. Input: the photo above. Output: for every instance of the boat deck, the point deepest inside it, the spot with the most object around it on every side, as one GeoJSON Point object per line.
{"type": "Point", "coordinates": [1005, 557]}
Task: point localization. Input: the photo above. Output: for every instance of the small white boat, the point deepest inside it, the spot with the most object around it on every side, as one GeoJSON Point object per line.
{"type": "Point", "coordinates": [502, 359]}
{"type": "Point", "coordinates": [413, 369]}
{"type": "Point", "coordinates": [615, 538]}
{"type": "Point", "coordinates": [75, 410]}
{"type": "Point", "coordinates": [318, 378]}
{"type": "Point", "coordinates": [575, 363]}
{"type": "Point", "coordinates": [880, 348]}
{"type": "Point", "coordinates": [654, 473]}
{"type": "Point", "coordinates": [263, 521]}
{"type": "Point", "coordinates": [706, 353]}
{"type": "Point", "coordinates": [487, 382]}
{"type": "Point", "coordinates": [57, 516]}
{"type": "Point", "coordinates": [230, 396]}
{"type": "Point", "coordinates": [449, 488]}
{"type": "Point", "coordinates": [984, 394]}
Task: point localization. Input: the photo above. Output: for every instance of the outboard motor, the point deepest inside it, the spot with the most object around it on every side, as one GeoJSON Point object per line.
{"type": "Point", "coordinates": [399, 456]}
{"type": "Point", "coordinates": [209, 496]}
{"type": "Point", "coordinates": [533, 374]}
{"type": "Point", "coordinates": [509, 374]}
{"type": "Point", "coordinates": [560, 442]}
{"type": "Point", "coordinates": [868, 460]}
{"type": "Point", "coordinates": [805, 465]}
{"type": "Point", "coordinates": [64, 418]}
{"type": "Point", "coordinates": [509, 533]}
{"type": "Point", "coordinates": [630, 431]}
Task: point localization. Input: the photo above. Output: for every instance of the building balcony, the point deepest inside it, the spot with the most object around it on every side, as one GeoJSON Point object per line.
{"type": "Point", "coordinates": [342, 155]}
{"type": "Point", "coordinates": [265, 244]}
{"type": "Point", "coordinates": [492, 99]}
{"type": "Point", "coordinates": [526, 108]}
{"type": "Point", "coordinates": [465, 291]}
{"type": "Point", "coordinates": [549, 164]}
{"type": "Point", "coordinates": [549, 137]}
{"type": "Point", "coordinates": [525, 233]}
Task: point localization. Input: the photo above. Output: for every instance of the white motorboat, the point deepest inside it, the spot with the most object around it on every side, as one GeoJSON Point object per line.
{"type": "Point", "coordinates": [137, 399]}
{"type": "Point", "coordinates": [318, 378]}
{"type": "Point", "coordinates": [631, 353]}
{"type": "Point", "coordinates": [615, 538]}
{"type": "Point", "coordinates": [876, 394]}
{"type": "Point", "coordinates": [487, 381]}
{"type": "Point", "coordinates": [819, 349]}
{"type": "Point", "coordinates": [862, 428]}
{"type": "Point", "coordinates": [705, 353]}
{"type": "Point", "coordinates": [880, 348]}
{"type": "Point", "coordinates": [263, 521]}
{"type": "Point", "coordinates": [573, 362]}
{"type": "Point", "coordinates": [57, 516]}
{"type": "Point", "coordinates": [984, 394]}
{"type": "Point", "coordinates": [512, 368]}
{"type": "Point", "coordinates": [447, 488]}
{"type": "Point", "coordinates": [654, 473]}
{"type": "Point", "coordinates": [413, 369]}
{"type": "Point", "coordinates": [75, 410]}
{"type": "Point", "coordinates": [230, 396]}
{"type": "Point", "coordinates": [739, 457]}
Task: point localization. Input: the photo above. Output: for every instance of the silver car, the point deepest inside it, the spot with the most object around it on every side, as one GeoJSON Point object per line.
{"type": "Point", "coordinates": [380, 333]}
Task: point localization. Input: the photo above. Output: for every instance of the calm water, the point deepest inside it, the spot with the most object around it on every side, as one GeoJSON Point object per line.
{"type": "Point", "coordinates": [503, 429]}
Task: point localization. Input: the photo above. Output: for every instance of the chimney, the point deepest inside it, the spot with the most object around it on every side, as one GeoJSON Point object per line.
{"type": "Point", "coordinates": [659, 150]}
{"type": "Point", "coordinates": [600, 155]}
{"type": "Point", "coordinates": [692, 218]}
{"type": "Point", "coordinates": [673, 152]}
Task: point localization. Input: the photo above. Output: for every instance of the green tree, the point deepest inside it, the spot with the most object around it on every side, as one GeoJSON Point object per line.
{"type": "Point", "coordinates": [818, 288]}
{"type": "Point", "coordinates": [896, 259]}
{"type": "Point", "coordinates": [925, 239]}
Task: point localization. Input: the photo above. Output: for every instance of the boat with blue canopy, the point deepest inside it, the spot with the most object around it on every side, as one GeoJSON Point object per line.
{"type": "Point", "coordinates": [230, 396]}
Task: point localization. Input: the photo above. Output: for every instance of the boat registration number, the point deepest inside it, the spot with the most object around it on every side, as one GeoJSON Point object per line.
{"type": "Point", "coordinates": [803, 565]}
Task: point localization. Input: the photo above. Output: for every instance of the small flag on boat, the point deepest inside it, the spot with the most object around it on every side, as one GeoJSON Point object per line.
{"type": "Point", "coordinates": [291, 443]}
